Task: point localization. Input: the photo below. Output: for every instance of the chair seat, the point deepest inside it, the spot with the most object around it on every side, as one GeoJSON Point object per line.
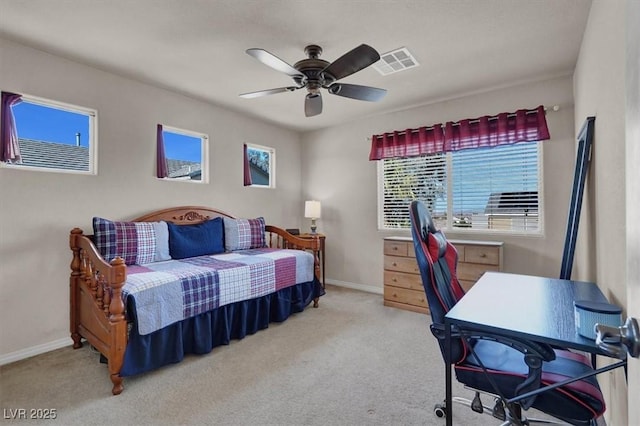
{"type": "Point", "coordinates": [577, 401]}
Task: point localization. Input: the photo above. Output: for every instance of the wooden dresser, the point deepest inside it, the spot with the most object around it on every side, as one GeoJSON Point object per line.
{"type": "Point", "coordinates": [402, 281]}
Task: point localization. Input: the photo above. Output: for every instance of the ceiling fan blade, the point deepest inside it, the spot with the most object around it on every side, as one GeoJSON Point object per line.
{"type": "Point", "coordinates": [313, 104]}
{"type": "Point", "coordinates": [274, 62]}
{"type": "Point", "coordinates": [352, 61]}
{"type": "Point", "coordinates": [354, 91]}
{"type": "Point", "coordinates": [268, 92]}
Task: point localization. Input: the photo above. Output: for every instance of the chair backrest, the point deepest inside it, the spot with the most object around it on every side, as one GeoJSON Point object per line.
{"type": "Point", "coordinates": [437, 260]}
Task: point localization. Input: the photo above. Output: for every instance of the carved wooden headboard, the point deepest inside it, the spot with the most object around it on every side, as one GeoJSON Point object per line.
{"type": "Point", "coordinates": [183, 215]}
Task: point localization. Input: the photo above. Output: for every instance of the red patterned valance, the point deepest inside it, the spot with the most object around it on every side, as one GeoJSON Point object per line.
{"type": "Point", "coordinates": [488, 131]}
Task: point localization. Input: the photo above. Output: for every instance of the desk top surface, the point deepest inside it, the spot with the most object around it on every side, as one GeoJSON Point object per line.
{"type": "Point", "coordinates": [524, 306]}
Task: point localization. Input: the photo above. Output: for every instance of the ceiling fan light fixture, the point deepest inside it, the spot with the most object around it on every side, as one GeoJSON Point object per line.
{"type": "Point", "coordinates": [312, 104]}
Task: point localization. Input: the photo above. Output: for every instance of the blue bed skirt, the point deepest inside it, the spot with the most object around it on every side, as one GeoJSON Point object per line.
{"type": "Point", "coordinates": [202, 333]}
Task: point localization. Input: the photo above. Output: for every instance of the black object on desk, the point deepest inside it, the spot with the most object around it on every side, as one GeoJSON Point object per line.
{"type": "Point", "coordinates": [585, 139]}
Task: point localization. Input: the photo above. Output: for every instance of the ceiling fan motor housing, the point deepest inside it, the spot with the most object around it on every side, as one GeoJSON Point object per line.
{"type": "Point", "coordinates": [313, 77]}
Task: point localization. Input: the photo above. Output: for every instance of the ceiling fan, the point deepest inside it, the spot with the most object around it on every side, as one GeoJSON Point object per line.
{"type": "Point", "coordinates": [315, 73]}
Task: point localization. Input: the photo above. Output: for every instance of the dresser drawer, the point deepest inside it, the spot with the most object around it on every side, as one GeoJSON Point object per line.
{"type": "Point", "coordinates": [482, 254]}
{"type": "Point", "coordinates": [402, 279]}
{"type": "Point", "coordinates": [406, 296]}
{"type": "Point", "coordinates": [396, 248]}
{"type": "Point", "coordinates": [473, 272]}
{"type": "Point", "coordinates": [401, 264]}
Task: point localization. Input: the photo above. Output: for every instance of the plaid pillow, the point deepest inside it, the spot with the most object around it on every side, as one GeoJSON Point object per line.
{"type": "Point", "coordinates": [243, 234]}
{"type": "Point", "coordinates": [135, 242]}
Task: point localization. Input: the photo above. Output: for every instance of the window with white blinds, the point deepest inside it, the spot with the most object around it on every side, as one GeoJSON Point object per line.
{"type": "Point", "coordinates": [489, 189]}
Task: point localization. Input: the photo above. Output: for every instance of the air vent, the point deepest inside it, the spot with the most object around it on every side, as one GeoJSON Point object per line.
{"type": "Point", "coordinates": [396, 60]}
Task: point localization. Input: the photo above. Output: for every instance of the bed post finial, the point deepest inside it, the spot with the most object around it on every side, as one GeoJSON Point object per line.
{"type": "Point", "coordinates": [118, 324]}
{"type": "Point", "coordinates": [73, 286]}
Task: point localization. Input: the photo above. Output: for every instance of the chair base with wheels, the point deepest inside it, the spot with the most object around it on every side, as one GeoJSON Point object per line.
{"type": "Point", "coordinates": [497, 411]}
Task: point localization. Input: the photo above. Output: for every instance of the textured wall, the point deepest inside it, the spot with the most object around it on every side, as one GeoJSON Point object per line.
{"type": "Point", "coordinates": [37, 209]}
{"type": "Point", "coordinates": [632, 182]}
{"type": "Point", "coordinates": [337, 172]}
{"type": "Point", "coordinates": [599, 88]}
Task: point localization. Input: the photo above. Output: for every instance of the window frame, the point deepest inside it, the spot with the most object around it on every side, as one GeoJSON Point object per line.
{"type": "Point", "coordinates": [539, 232]}
{"type": "Point", "coordinates": [204, 154]}
{"type": "Point", "coordinates": [272, 164]}
{"type": "Point", "coordinates": [92, 115]}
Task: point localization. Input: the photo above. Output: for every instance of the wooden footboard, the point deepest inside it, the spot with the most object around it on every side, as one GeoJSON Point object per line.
{"type": "Point", "coordinates": [97, 307]}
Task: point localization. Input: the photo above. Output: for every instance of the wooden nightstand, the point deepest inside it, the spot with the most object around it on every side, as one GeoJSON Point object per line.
{"type": "Point", "coordinates": [322, 237]}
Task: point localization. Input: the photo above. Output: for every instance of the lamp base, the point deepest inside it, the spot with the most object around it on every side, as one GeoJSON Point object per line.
{"type": "Point", "coordinates": [313, 226]}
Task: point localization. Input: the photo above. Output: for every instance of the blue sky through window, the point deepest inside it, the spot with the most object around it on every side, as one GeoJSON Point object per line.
{"type": "Point", "coordinates": [47, 124]}
{"type": "Point", "coordinates": [43, 123]}
{"type": "Point", "coordinates": [182, 147]}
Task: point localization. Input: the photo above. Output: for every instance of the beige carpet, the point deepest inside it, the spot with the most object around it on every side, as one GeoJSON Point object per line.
{"type": "Point", "coordinates": [352, 361]}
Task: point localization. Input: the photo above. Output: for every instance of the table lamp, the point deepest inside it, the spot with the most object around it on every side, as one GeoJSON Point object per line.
{"type": "Point", "coordinates": [312, 210]}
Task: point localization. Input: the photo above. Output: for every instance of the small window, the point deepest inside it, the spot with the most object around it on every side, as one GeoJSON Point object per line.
{"type": "Point", "coordinates": [54, 136]}
{"type": "Point", "coordinates": [262, 162]}
{"type": "Point", "coordinates": [186, 154]}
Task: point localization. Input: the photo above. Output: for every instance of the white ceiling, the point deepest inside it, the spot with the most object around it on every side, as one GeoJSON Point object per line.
{"type": "Point", "coordinates": [197, 47]}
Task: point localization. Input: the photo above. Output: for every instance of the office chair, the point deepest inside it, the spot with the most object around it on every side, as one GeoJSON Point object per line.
{"type": "Point", "coordinates": [501, 366]}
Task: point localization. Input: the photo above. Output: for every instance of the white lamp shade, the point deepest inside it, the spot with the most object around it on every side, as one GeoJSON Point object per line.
{"type": "Point", "coordinates": [312, 209]}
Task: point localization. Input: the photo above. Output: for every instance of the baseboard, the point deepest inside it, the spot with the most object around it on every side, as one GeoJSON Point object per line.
{"type": "Point", "coordinates": [361, 287]}
{"type": "Point", "coordinates": [34, 350]}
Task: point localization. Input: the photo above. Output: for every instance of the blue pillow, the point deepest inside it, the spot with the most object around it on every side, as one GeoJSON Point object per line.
{"type": "Point", "coordinates": [196, 240]}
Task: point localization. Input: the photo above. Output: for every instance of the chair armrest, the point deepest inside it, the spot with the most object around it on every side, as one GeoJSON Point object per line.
{"type": "Point", "coordinates": [534, 354]}
{"type": "Point", "coordinates": [527, 347]}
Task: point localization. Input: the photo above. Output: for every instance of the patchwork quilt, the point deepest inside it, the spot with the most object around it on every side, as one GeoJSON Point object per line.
{"type": "Point", "coordinates": [174, 290]}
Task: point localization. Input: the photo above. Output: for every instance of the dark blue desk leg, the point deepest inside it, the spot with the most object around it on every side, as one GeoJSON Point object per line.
{"type": "Point", "coordinates": [447, 367]}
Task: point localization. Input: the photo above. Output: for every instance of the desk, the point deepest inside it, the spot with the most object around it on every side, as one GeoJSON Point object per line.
{"type": "Point", "coordinates": [522, 306]}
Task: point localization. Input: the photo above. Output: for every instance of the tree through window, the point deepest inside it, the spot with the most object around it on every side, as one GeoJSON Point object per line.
{"type": "Point", "coordinates": [261, 165]}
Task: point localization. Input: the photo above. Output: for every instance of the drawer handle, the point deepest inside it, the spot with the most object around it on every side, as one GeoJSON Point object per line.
{"type": "Point", "coordinates": [483, 255]}
{"type": "Point", "coordinates": [395, 248]}
{"type": "Point", "coordinates": [395, 280]}
{"type": "Point", "coordinates": [394, 264]}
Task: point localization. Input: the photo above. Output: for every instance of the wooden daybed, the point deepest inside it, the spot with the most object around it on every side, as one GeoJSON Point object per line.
{"type": "Point", "coordinates": [101, 314]}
